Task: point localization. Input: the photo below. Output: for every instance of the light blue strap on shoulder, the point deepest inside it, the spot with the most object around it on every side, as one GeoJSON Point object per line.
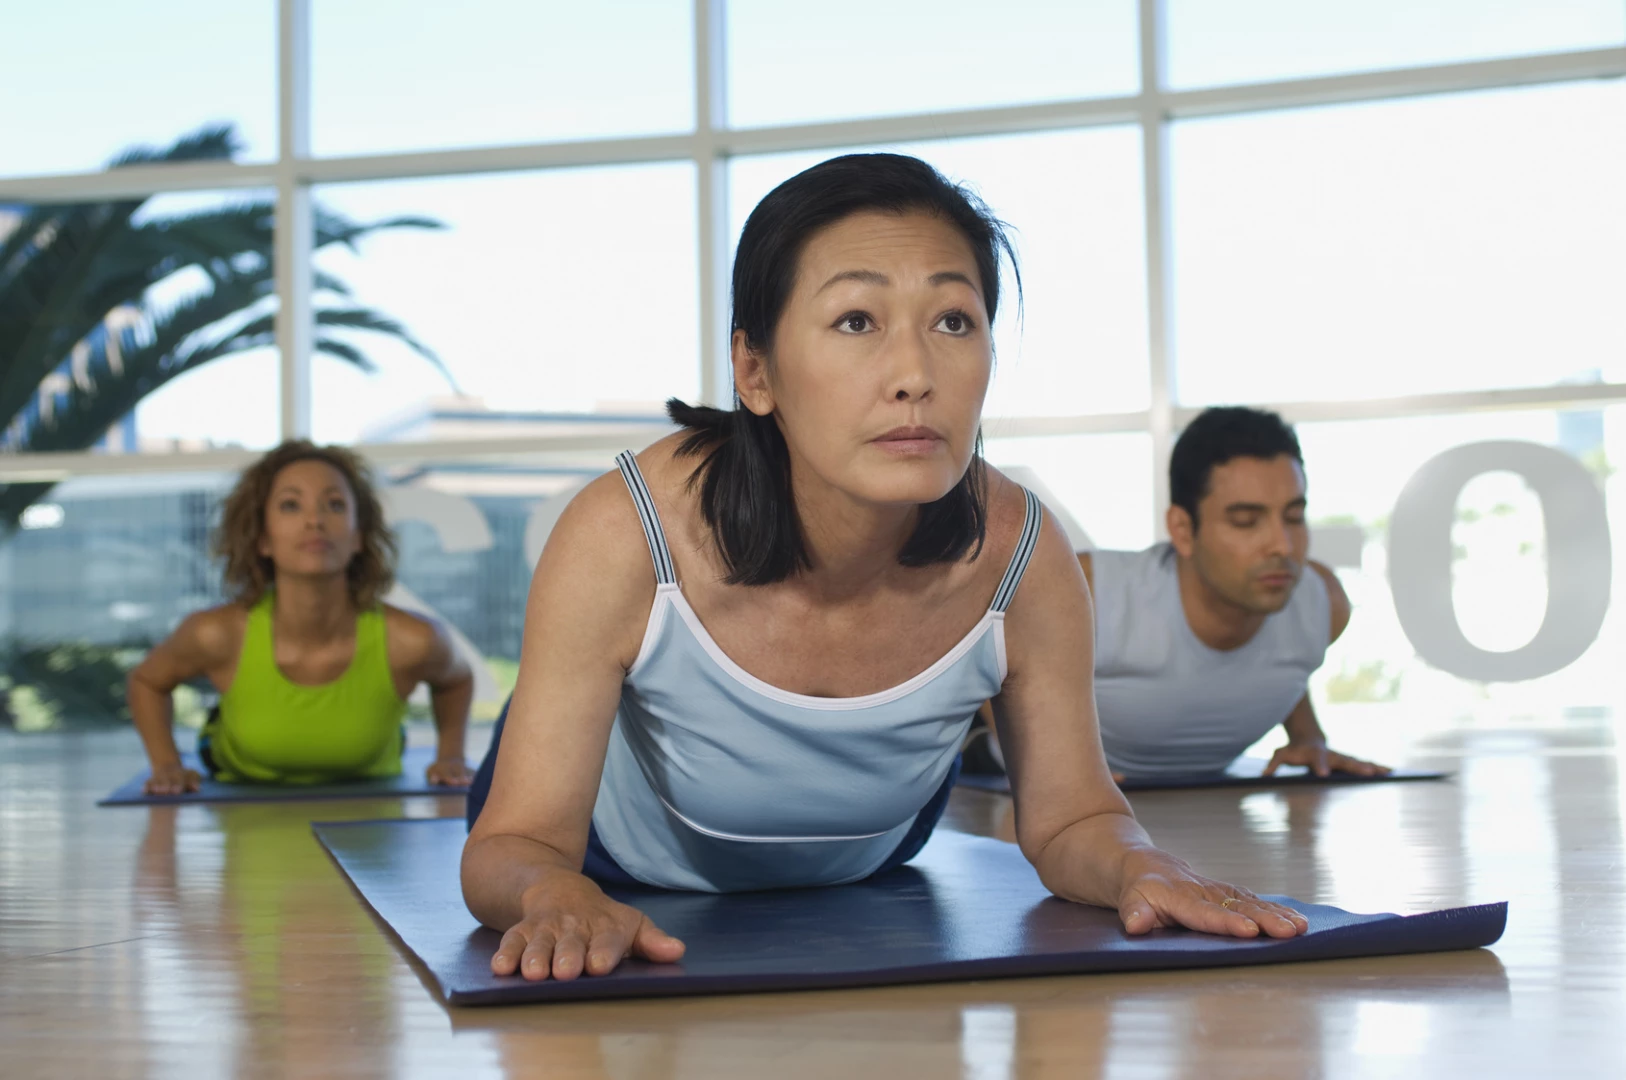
{"type": "Point", "coordinates": [628, 464]}
{"type": "Point", "coordinates": [1024, 552]}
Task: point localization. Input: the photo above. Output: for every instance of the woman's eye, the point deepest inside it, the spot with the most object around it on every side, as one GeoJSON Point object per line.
{"type": "Point", "coordinates": [337, 506]}
{"type": "Point", "coordinates": [853, 323]}
{"type": "Point", "coordinates": [288, 506]}
{"type": "Point", "coordinates": [955, 322]}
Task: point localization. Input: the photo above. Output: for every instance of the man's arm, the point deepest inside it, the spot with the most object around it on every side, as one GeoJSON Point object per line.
{"type": "Point", "coordinates": [1306, 742]}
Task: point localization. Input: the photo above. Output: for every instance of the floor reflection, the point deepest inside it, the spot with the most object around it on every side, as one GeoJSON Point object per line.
{"type": "Point", "coordinates": [222, 941]}
{"type": "Point", "coordinates": [240, 916]}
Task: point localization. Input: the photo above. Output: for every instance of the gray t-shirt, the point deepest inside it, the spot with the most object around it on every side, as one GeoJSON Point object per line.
{"type": "Point", "coordinates": [1168, 703]}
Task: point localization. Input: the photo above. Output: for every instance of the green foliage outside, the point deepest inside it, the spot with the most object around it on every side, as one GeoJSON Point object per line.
{"type": "Point", "coordinates": [77, 685]}
{"type": "Point", "coordinates": [1366, 682]}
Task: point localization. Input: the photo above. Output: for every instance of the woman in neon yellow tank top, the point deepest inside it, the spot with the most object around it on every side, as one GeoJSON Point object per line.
{"type": "Point", "coordinates": [313, 670]}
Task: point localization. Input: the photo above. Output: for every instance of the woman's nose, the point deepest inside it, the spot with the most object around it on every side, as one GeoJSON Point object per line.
{"type": "Point", "coordinates": [911, 375]}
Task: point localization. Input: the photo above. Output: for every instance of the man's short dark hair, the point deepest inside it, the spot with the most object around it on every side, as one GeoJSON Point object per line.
{"type": "Point", "coordinates": [1217, 436]}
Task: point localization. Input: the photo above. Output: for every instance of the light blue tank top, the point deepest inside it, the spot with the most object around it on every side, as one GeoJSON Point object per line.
{"type": "Point", "coordinates": [1169, 704]}
{"type": "Point", "coordinates": [715, 781]}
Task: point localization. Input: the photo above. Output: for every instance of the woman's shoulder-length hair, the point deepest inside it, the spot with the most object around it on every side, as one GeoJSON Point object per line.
{"type": "Point", "coordinates": [744, 470]}
{"type": "Point", "coordinates": [248, 575]}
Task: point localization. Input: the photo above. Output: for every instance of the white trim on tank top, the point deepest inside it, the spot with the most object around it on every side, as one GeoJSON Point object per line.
{"type": "Point", "coordinates": [671, 596]}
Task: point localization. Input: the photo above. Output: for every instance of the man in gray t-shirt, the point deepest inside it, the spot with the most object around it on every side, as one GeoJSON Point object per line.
{"type": "Point", "coordinates": [1206, 642]}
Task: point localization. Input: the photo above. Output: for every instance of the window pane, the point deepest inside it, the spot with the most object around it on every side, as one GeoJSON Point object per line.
{"type": "Point", "coordinates": [1374, 692]}
{"type": "Point", "coordinates": [566, 291]}
{"type": "Point", "coordinates": [100, 78]}
{"type": "Point", "coordinates": [1242, 41]}
{"type": "Point", "coordinates": [476, 584]}
{"type": "Point", "coordinates": [156, 337]}
{"type": "Point", "coordinates": [101, 570]}
{"type": "Point", "coordinates": [1074, 200]}
{"type": "Point", "coordinates": [1449, 243]}
{"type": "Point", "coordinates": [844, 59]}
{"type": "Point", "coordinates": [1103, 483]}
{"type": "Point", "coordinates": [387, 77]}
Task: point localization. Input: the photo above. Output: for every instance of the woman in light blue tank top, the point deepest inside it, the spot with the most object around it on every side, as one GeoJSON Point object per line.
{"type": "Point", "coordinates": [751, 654]}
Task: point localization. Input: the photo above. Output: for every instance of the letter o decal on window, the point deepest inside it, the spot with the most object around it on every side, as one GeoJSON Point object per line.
{"type": "Point", "coordinates": [1578, 560]}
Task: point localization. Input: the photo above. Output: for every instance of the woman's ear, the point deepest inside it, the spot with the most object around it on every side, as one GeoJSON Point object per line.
{"type": "Point", "coordinates": [750, 376]}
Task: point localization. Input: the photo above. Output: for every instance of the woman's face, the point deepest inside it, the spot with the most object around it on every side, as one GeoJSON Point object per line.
{"type": "Point", "coordinates": [881, 360]}
{"type": "Point", "coordinates": [310, 521]}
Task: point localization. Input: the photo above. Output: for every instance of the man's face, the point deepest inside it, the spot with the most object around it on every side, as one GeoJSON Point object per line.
{"type": "Point", "coordinates": [1249, 542]}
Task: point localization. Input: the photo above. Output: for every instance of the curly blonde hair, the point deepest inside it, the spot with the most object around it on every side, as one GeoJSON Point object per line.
{"type": "Point", "coordinates": [248, 575]}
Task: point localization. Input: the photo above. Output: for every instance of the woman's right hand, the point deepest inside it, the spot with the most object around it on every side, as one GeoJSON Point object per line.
{"type": "Point", "coordinates": [172, 779]}
{"type": "Point", "coordinates": [570, 926]}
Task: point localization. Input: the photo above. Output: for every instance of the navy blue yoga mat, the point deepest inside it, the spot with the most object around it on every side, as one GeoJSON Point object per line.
{"type": "Point", "coordinates": [1244, 772]}
{"type": "Point", "coordinates": [966, 908]}
{"type": "Point", "coordinates": [411, 782]}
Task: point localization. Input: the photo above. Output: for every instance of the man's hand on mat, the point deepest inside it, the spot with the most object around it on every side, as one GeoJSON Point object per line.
{"type": "Point", "coordinates": [1314, 755]}
{"type": "Point", "coordinates": [174, 779]}
{"type": "Point", "coordinates": [449, 772]}
{"type": "Point", "coordinates": [1161, 891]}
{"type": "Point", "coordinates": [571, 927]}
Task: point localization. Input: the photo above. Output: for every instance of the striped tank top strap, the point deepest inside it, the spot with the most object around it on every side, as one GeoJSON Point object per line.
{"type": "Point", "coordinates": [1024, 552]}
{"type": "Point", "coordinates": [665, 573]}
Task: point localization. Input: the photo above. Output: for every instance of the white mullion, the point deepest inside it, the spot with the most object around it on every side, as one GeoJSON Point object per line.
{"type": "Point", "coordinates": [1505, 73]}
{"type": "Point", "coordinates": [1159, 307]}
{"type": "Point", "coordinates": [294, 221]}
{"type": "Point", "coordinates": [711, 188]}
{"type": "Point", "coordinates": [138, 182]}
{"type": "Point", "coordinates": [522, 157]}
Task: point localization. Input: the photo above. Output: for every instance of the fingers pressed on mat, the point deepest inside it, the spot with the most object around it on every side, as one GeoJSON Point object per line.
{"type": "Point", "coordinates": [506, 960]}
{"type": "Point", "coordinates": [1273, 919]}
{"type": "Point", "coordinates": [607, 948]}
{"type": "Point", "coordinates": [537, 963]}
{"type": "Point", "coordinates": [653, 943]}
{"type": "Point", "coordinates": [569, 955]}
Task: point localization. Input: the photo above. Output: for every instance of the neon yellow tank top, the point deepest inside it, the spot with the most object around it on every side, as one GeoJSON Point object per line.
{"type": "Point", "coordinates": [271, 730]}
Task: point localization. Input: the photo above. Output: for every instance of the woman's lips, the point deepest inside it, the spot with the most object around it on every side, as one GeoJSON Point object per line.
{"type": "Point", "coordinates": [909, 440]}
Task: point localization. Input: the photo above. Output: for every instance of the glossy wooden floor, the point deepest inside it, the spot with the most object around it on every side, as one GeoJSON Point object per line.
{"type": "Point", "coordinates": [215, 942]}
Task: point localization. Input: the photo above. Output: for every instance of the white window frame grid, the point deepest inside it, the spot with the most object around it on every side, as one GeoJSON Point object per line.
{"type": "Point", "coordinates": [710, 147]}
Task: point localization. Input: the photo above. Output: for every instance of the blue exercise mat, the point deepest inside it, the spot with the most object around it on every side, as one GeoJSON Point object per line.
{"type": "Point", "coordinates": [965, 908]}
{"type": "Point", "coordinates": [411, 782]}
{"type": "Point", "coordinates": [1244, 772]}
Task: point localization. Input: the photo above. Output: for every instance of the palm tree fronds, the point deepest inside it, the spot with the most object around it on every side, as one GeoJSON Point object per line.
{"type": "Point", "coordinates": [212, 142]}
{"type": "Point", "coordinates": [368, 319]}
{"type": "Point", "coordinates": [82, 339]}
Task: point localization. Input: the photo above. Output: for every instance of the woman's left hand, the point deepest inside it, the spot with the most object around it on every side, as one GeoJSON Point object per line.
{"type": "Point", "coordinates": [1161, 891]}
{"type": "Point", "coordinates": [449, 772]}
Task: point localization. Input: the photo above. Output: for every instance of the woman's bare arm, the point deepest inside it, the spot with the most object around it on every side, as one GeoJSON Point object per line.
{"type": "Point", "coordinates": [206, 643]}
{"type": "Point", "coordinates": [589, 602]}
{"type": "Point", "coordinates": [1072, 822]}
{"type": "Point", "coordinates": [423, 652]}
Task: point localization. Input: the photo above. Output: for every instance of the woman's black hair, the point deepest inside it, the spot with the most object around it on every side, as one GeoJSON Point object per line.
{"type": "Point", "coordinates": [744, 474]}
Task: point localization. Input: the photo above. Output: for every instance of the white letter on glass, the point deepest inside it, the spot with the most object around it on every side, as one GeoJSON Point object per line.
{"type": "Point", "coordinates": [1578, 560]}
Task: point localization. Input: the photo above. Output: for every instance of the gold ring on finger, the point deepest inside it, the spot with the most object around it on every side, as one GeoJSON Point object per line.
{"type": "Point", "coordinates": [1227, 902]}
